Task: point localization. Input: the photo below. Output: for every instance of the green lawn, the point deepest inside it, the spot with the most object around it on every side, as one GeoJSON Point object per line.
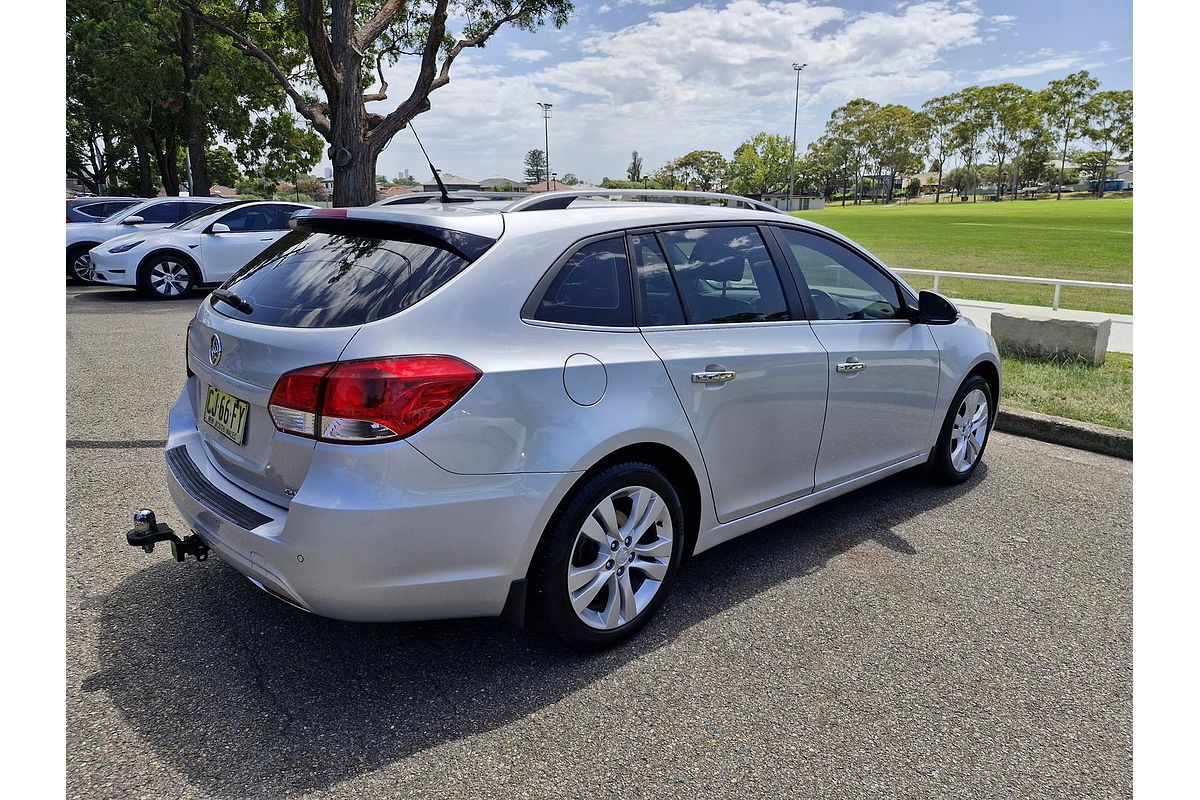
{"type": "Point", "coordinates": [1103, 395]}
{"type": "Point", "coordinates": [1085, 239]}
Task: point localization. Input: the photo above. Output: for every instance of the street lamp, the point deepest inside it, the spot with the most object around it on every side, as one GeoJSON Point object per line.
{"type": "Point", "coordinates": [546, 121]}
{"type": "Point", "coordinates": [795, 120]}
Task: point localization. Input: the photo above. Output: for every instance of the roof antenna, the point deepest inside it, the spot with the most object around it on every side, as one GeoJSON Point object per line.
{"type": "Point", "coordinates": [438, 178]}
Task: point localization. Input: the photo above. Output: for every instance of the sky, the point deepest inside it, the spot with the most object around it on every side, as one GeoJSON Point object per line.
{"type": "Point", "coordinates": [665, 77]}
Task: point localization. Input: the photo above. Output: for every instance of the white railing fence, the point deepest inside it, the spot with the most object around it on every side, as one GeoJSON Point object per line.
{"type": "Point", "coordinates": [1057, 283]}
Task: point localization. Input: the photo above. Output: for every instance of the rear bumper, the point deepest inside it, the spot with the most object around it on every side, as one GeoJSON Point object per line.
{"type": "Point", "coordinates": [372, 535]}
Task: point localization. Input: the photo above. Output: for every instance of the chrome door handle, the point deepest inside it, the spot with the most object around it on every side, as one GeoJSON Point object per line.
{"type": "Point", "coordinates": [851, 366]}
{"type": "Point", "coordinates": [715, 376]}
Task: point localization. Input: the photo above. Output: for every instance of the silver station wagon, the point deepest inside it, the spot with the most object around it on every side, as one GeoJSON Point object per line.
{"type": "Point", "coordinates": [475, 409]}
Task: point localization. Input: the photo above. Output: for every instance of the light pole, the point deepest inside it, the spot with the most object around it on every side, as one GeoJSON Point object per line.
{"type": "Point", "coordinates": [795, 120]}
{"type": "Point", "coordinates": [546, 121]}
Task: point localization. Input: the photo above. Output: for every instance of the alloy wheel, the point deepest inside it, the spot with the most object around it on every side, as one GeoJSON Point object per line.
{"type": "Point", "coordinates": [970, 430]}
{"type": "Point", "coordinates": [170, 278]}
{"type": "Point", "coordinates": [81, 268]}
{"type": "Point", "coordinates": [620, 557]}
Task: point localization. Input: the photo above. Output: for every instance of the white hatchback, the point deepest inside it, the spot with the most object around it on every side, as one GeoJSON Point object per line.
{"type": "Point", "coordinates": [207, 247]}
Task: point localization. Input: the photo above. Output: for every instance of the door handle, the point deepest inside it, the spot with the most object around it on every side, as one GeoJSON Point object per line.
{"type": "Point", "coordinates": [713, 376]}
{"type": "Point", "coordinates": [853, 365]}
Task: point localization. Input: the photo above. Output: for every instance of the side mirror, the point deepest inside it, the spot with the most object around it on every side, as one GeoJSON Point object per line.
{"type": "Point", "coordinates": [134, 220]}
{"type": "Point", "coordinates": [219, 227]}
{"type": "Point", "coordinates": [933, 309]}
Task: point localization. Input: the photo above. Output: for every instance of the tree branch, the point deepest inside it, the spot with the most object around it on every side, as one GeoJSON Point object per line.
{"type": "Point", "coordinates": [313, 22]}
{"type": "Point", "coordinates": [313, 114]}
{"type": "Point", "coordinates": [418, 100]}
{"type": "Point", "coordinates": [475, 41]}
{"type": "Point", "coordinates": [383, 84]}
{"type": "Point", "coordinates": [371, 30]}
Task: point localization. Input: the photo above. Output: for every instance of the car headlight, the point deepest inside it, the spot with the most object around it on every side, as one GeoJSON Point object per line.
{"type": "Point", "coordinates": [125, 248]}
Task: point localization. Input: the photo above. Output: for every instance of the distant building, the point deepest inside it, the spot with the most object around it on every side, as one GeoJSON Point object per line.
{"type": "Point", "coordinates": [452, 182]}
{"type": "Point", "coordinates": [395, 191]}
{"type": "Point", "coordinates": [502, 184]}
{"type": "Point", "coordinates": [217, 190]}
{"type": "Point", "coordinates": [555, 186]}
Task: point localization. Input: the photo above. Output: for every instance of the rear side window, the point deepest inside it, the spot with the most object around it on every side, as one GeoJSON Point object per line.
{"type": "Point", "coordinates": [656, 287]}
{"type": "Point", "coordinates": [164, 212]}
{"type": "Point", "coordinates": [328, 280]}
{"type": "Point", "coordinates": [725, 275]}
{"type": "Point", "coordinates": [592, 288]}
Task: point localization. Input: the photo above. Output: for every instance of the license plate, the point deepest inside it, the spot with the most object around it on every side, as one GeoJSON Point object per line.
{"type": "Point", "coordinates": [226, 414]}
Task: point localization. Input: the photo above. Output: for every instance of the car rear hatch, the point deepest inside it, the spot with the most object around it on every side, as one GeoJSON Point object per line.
{"type": "Point", "coordinates": [299, 304]}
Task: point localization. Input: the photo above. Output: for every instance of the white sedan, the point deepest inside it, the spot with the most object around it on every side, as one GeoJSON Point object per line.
{"type": "Point", "coordinates": [207, 247]}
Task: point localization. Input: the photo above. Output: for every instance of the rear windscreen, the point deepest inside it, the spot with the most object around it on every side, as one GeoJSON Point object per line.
{"type": "Point", "coordinates": [329, 280]}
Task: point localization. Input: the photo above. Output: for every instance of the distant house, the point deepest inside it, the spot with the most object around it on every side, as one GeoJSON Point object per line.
{"type": "Point", "coordinates": [555, 186]}
{"type": "Point", "coordinates": [394, 191]}
{"type": "Point", "coordinates": [503, 184]}
{"type": "Point", "coordinates": [217, 190]}
{"type": "Point", "coordinates": [452, 182]}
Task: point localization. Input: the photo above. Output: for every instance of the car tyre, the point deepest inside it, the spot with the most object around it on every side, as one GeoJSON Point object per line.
{"type": "Point", "coordinates": [965, 432]}
{"type": "Point", "coordinates": [79, 264]}
{"type": "Point", "coordinates": [166, 276]}
{"type": "Point", "coordinates": [609, 556]}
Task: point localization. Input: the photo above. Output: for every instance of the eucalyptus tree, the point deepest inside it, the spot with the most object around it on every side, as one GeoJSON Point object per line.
{"type": "Point", "coordinates": [760, 165]}
{"type": "Point", "coordinates": [634, 170]}
{"type": "Point", "coordinates": [943, 113]}
{"type": "Point", "coordinates": [1006, 106]}
{"type": "Point", "coordinates": [898, 141]}
{"type": "Point", "coordinates": [1110, 127]}
{"type": "Point", "coordinates": [967, 133]}
{"type": "Point", "coordinates": [852, 122]}
{"type": "Point", "coordinates": [1064, 104]}
{"type": "Point", "coordinates": [702, 169]}
{"type": "Point", "coordinates": [347, 47]}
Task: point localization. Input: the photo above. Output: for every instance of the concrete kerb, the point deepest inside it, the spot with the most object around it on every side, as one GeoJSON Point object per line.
{"type": "Point", "coordinates": [1066, 432]}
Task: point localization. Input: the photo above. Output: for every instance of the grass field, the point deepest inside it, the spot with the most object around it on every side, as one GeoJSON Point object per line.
{"type": "Point", "coordinates": [1103, 395]}
{"type": "Point", "coordinates": [1081, 239]}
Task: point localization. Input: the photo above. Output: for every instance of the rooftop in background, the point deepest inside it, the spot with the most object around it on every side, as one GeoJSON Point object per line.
{"type": "Point", "coordinates": [555, 186]}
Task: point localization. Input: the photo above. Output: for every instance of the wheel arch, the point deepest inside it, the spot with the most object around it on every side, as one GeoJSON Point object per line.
{"type": "Point", "coordinates": [990, 372]}
{"type": "Point", "coordinates": [73, 250]}
{"type": "Point", "coordinates": [172, 251]}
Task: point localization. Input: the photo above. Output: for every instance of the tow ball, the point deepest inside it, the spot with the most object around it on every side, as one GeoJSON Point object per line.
{"type": "Point", "coordinates": [147, 532]}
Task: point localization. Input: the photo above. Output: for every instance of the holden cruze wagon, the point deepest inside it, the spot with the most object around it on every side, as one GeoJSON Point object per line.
{"type": "Point", "coordinates": [460, 410]}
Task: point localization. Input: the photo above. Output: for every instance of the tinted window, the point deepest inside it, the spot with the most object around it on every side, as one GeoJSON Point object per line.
{"type": "Point", "coordinates": [281, 216]}
{"type": "Point", "coordinates": [592, 288]}
{"type": "Point", "coordinates": [656, 287]}
{"type": "Point", "coordinates": [250, 218]}
{"type": "Point", "coordinates": [162, 212]}
{"type": "Point", "coordinates": [726, 275]}
{"type": "Point", "coordinates": [326, 280]}
{"type": "Point", "coordinates": [843, 284]}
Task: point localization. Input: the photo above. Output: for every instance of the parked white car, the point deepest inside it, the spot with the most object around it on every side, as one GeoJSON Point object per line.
{"type": "Point", "coordinates": [207, 247]}
{"type": "Point", "coordinates": [148, 215]}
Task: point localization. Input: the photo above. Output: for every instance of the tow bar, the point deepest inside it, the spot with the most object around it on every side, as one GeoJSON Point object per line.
{"type": "Point", "coordinates": [147, 532]}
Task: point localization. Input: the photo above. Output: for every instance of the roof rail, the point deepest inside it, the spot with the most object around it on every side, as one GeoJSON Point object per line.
{"type": "Point", "coordinates": [557, 200]}
{"type": "Point", "coordinates": [456, 195]}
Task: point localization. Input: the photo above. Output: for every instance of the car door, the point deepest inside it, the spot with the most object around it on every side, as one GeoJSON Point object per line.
{"type": "Point", "coordinates": [743, 360]}
{"type": "Point", "coordinates": [883, 368]}
{"type": "Point", "coordinates": [252, 229]}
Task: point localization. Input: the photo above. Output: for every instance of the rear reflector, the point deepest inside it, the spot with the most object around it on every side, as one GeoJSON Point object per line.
{"type": "Point", "coordinates": [372, 400]}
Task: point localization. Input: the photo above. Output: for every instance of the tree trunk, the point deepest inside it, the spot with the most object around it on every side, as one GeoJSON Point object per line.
{"type": "Point", "coordinates": [166, 155]}
{"type": "Point", "coordinates": [937, 193]}
{"type": "Point", "coordinates": [1062, 165]}
{"type": "Point", "coordinates": [193, 113]}
{"type": "Point", "coordinates": [145, 181]}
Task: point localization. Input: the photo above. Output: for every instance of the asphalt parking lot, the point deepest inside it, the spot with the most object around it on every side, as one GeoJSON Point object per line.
{"type": "Point", "coordinates": [903, 641]}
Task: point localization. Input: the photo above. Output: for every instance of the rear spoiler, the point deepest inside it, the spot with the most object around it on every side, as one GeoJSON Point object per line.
{"type": "Point", "coordinates": [469, 246]}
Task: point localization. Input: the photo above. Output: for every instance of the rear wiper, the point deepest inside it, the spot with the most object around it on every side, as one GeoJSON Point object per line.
{"type": "Point", "coordinates": [231, 298]}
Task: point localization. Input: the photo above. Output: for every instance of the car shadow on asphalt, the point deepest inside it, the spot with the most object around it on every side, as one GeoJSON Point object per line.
{"type": "Point", "coordinates": [98, 297]}
{"type": "Point", "coordinates": [246, 696]}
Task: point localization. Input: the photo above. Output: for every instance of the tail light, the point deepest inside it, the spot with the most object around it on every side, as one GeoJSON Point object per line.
{"type": "Point", "coordinates": [372, 400]}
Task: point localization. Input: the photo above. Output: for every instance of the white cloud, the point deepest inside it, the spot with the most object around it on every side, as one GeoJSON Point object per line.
{"type": "Point", "coordinates": [683, 79]}
{"type": "Point", "coordinates": [1008, 72]}
{"type": "Point", "coordinates": [1003, 19]}
{"type": "Point", "coordinates": [527, 54]}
